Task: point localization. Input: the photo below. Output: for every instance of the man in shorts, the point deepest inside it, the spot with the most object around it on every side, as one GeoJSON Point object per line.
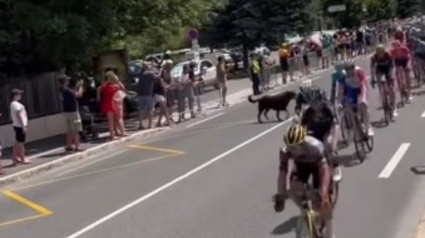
{"type": "Point", "coordinates": [222, 80]}
{"type": "Point", "coordinates": [145, 94]}
{"type": "Point", "coordinates": [70, 92]}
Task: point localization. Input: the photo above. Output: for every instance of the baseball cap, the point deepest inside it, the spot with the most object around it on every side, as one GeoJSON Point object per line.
{"type": "Point", "coordinates": [16, 91]}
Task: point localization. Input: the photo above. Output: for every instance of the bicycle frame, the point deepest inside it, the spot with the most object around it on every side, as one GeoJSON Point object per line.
{"type": "Point", "coordinates": [401, 83]}
{"type": "Point", "coordinates": [387, 105]}
{"type": "Point", "coordinates": [310, 217]}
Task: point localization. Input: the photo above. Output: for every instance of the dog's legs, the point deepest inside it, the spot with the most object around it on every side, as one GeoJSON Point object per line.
{"type": "Point", "coordinates": [265, 114]}
{"type": "Point", "coordinates": [287, 114]}
{"type": "Point", "coordinates": [260, 111]}
{"type": "Point", "coordinates": [278, 115]}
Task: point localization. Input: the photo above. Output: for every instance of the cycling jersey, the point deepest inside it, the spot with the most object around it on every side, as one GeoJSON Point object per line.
{"type": "Point", "coordinates": [311, 151]}
{"type": "Point", "coordinates": [307, 163]}
{"type": "Point", "coordinates": [401, 52]}
{"type": "Point", "coordinates": [354, 85]}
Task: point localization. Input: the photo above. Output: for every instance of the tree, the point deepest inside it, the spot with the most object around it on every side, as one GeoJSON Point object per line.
{"type": "Point", "coordinates": [407, 8]}
{"type": "Point", "coordinates": [43, 35]}
{"type": "Point", "coordinates": [381, 9]}
{"type": "Point", "coordinates": [249, 23]}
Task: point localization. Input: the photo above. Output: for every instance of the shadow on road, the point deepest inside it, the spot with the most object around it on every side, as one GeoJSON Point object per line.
{"type": "Point", "coordinates": [418, 170]}
{"type": "Point", "coordinates": [286, 227]}
{"type": "Point", "coordinates": [379, 124]}
{"type": "Point", "coordinates": [348, 160]}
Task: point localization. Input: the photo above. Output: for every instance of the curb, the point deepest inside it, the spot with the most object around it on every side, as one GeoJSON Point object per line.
{"type": "Point", "coordinates": [31, 172]}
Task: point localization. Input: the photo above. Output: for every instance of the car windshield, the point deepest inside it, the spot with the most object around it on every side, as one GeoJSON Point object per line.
{"type": "Point", "coordinates": [178, 69]}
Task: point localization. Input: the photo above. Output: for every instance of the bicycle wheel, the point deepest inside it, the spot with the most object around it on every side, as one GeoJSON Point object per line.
{"type": "Point", "coordinates": [346, 129]}
{"type": "Point", "coordinates": [359, 140]}
{"type": "Point", "coordinates": [306, 227]}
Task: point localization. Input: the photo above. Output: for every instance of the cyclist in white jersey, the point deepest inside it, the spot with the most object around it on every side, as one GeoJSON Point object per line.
{"type": "Point", "coordinates": [308, 154]}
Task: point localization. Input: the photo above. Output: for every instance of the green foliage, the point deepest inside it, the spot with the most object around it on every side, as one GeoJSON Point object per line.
{"type": "Point", "coordinates": [407, 8]}
{"type": "Point", "coordinates": [43, 35]}
{"type": "Point", "coordinates": [381, 9]}
{"type": "Point", "coordinates": [252, 22]}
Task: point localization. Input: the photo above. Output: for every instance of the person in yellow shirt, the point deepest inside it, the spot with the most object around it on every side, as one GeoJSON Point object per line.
{"type": "Point", "coordinates": [255, 74]}
{"type": "Point", "coordinates": [284, 55]}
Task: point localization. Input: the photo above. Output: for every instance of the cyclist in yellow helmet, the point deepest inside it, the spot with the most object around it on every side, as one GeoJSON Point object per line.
{"type": "Point", "coordinates": [308, 155]}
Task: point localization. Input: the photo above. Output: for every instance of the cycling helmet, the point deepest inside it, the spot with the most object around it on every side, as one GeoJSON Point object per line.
{"type": "Point", "coordinates": [295, 134]}
{"type": "Point", "coordinates": [380, 48]}
{"type": "Point", "coordinates": [339, 65]}
{"type": "Point", "coordinates": [314, 94]}
{"type": "Point", "coordinates": [305, 84]}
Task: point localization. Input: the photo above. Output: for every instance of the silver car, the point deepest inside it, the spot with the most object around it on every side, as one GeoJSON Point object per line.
{"type": "Point", "coordinates": [204, 69]}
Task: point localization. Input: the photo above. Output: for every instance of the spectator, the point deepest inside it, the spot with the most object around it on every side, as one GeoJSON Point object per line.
{"type": "Point", "coordinates": [304, 53]}
{"type": "Point", "coordinates": [170, 90]}
{"type": "Point", "coordinates": [268, 65]}
{"type": "Point", "coordinates": [185, 90]}
{"type": "Point", "coordinates": [159, 89]}
{"type": "Point", "coordinates": [106, 94]}
{"type": "Point", "coordinates": [326, 53]}
{"type": "Point", "coordinates": [20, 123]}
{"type": "Point", "coordinates": [284, 53]}
{"type": "Point", "coordinates": [222, 80]}
{"type": "Point", "coordinates": [255, 74]}
{"type": "Point", "coordinates": [70, 92]}
{"type": "Point", "coordinates": [145, 94]}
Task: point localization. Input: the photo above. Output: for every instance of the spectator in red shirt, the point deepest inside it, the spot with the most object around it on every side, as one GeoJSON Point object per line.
{"type": "Point", "coordinates": [109, 96]}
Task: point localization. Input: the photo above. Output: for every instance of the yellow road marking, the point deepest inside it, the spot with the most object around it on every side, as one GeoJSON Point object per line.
{"type": "Point", "coordinates": [37, 207]}
{"type": "Point", "coordinates": [8, 223]}
{"type": "Point", "coordinates": [43, 212]}
{"type": "Point", "coordinates": [144, 147]}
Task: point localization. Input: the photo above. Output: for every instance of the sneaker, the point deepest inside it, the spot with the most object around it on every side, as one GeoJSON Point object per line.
{"type": "Point", "coordinates": [370, 132]}
{"type": "Point", "coordinates": [337, 174]}
{"type": "Point", "coordinates": [395, 113]}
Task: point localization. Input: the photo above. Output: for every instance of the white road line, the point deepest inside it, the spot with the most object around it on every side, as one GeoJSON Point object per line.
{"type": "Point", "coordinates": [91, 162]}
{"type": "Point", "coordinates": [205, 120]}
{"type": "Point", "coordinates": [175, 181]}
{"type": "Point", "coordinates": [423, 114]}
{"type": "Point", "coordinates": [392, 164]}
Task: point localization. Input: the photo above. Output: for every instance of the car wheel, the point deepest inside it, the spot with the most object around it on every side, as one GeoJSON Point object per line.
{"type": "Point", "coordinates": [201, 89]}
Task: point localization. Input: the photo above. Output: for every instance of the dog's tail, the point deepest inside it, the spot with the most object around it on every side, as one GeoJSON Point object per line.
{"type": "Point", "coordinates": [252, 100]}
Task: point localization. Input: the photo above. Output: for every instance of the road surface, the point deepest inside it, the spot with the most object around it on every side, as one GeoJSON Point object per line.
{"type": "Point", "coordinates": [216, 179]}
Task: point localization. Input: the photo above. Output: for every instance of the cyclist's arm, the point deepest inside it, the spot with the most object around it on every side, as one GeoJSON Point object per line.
{"type": "Point", "coordinates": [283, 172]}
{"type": "Point", "coordinates": [325, 173]}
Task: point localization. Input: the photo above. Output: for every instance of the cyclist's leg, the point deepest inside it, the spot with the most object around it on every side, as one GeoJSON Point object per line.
{"type": "Point", "coordinates": [364, 112]}
{"type": "Point", "coordinates": [407, 79]}
{"type": "Point", "coordinates": [300, 175]}
{"type": "Point", "coordinates": [389, 84]}
{"type": "Point", "coordinates": [327, 214]}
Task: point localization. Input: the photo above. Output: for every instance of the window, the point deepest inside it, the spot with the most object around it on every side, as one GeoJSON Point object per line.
{"type": "Point", "coordinates": [206, 64]}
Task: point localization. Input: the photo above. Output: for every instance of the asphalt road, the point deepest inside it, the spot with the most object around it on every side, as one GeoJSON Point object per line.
{"type": "Point", "coordinates": [216, 179]}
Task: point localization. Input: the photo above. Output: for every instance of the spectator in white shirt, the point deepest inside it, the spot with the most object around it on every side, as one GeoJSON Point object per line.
{"type": "Point", "coordinates": [20, 123]}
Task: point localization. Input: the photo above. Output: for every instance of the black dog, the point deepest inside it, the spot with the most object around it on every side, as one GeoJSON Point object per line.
{"type": "Point", "coordinates": [277, 102]}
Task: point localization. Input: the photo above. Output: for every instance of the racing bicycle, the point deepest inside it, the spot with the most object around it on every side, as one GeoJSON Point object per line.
{"type": "Point", "coordinates": [353, 129]}
{"type": "Point", "coordinates": [310, 224]}
{"type": "Point", "coordinates": [401, 82]}
{"type": "Point", "coordinates": [387, 106]}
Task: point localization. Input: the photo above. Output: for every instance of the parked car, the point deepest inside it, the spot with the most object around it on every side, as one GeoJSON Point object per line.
{"type": "Point", "coordinates": [204, 69]}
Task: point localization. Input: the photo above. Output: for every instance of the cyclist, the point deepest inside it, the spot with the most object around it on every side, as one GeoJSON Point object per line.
{"type": "Point", "coordinates": [381, 64]}
{"type": "Point", "coordinates": [300, 99]}
{"type": "Point", "coordinates": [337, 76]}
{"type": "Point", "coordinates": [401, 55]}
{"type": "Point", "coordinates": [309, 158]}
{"type": "Point", "coordinates": [353, 86]}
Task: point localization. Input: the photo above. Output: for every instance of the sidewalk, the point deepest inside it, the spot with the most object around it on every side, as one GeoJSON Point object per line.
{"type": "Point", "coordinates": [49, 153]}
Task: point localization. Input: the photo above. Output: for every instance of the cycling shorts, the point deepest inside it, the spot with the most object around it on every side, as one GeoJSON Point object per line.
{"type": "Point", "coordinates": [401, 62]}
{"type": "Point", "coordinates": [352, 95]}
{"type": "Point", "coordinates": [383, 73]}
{"type": "Point", "coordinates": [303, 171]}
